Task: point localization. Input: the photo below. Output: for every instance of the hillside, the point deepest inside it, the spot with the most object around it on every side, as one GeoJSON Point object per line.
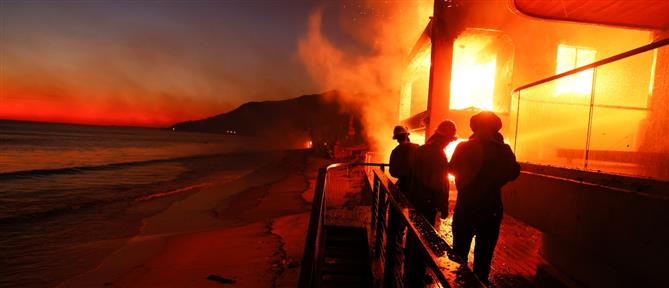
{"type": "Point", "coordinates": [305, 118]}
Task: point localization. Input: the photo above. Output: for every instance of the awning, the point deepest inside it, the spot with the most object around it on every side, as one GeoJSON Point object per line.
{"type": "Point", "coordinates": [644, 14]}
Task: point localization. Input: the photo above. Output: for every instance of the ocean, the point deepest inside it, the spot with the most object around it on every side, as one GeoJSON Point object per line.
{"type": "Point", "coordinates": [72, 194]}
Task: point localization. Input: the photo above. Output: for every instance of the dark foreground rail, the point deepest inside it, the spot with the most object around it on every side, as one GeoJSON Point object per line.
{"type": "Point", "coordinates": [310, 271]}
{"type": "Point", "coordinates": [404, 245]}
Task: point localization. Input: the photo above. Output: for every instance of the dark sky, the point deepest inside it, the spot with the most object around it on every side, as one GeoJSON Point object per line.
{"type": "Point", "coordinates": [152, 62]}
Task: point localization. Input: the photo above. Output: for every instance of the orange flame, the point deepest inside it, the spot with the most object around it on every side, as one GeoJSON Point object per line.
{"type": "Point", "coordinates": [473, 80]}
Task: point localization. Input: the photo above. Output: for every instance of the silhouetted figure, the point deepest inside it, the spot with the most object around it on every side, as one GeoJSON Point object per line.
{"type": "Point", "coordinates": [429, 181]}
{"type": "Point", "coordinates": [401, 158]}
{"type": "Point", "coordinates": [428, 194]}
{"type": "Point", "coordinates": [481, 167]}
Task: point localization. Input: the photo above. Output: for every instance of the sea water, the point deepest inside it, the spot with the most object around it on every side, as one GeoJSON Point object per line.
{"type": "Point", "coordinates": [71, 194]}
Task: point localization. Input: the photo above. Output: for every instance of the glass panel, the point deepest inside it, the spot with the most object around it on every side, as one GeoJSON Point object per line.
{"type": "Point", "coordinates": [552, 130]}
{"type": "Point", "coordinates": [628, 131]}
{"type": "Point", "coordinates": [415, 83]}
{"type": "Point", "coordinates": [419, 91]}
{"type": "Point", "coordinates": [620, 115]}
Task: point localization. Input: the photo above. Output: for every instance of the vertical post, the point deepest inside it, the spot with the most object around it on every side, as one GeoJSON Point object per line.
{"type": "Point", "coordinates": [592, 106]}
{"type": "Point", "coordinates": [515, 138]}
{"type": "Point", "coordinates": [445, 29]}
{"type": "Point", "coordinates": [375, 200]}
{"type": "Point", "coordinates": [380, 222]}
{"type": "Point", "coordinates": [310, 271]}
{"type": "Point", "coordinates": [411, 261]}
{"type": "Point", "coordinates": [392, 269]}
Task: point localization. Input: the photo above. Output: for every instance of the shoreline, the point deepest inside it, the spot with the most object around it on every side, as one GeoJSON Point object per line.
{"type": "Point", "coordinates": [249, 230]}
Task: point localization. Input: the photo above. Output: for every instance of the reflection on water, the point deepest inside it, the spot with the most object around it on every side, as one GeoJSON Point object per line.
{"type": "Point", "coordinates": [72, 194]}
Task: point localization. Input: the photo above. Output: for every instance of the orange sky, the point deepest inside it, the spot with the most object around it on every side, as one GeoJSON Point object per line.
{"type": "Point", "coordinates": [147, 63]}
{"type": "Point", "coordinates": [155, 63]}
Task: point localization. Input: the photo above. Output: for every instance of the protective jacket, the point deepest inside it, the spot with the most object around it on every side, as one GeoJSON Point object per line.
{"type": "Point", "coordinates": [401, 160]}
{"type": "Point", "coordinates": [429, 181]}
{"type": "Point", "coordinates": [481, 167]}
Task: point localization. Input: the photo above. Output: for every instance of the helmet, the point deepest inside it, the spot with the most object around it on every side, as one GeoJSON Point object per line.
{"type": "Point", "coordinates": [400, 130]}
{"type": "Point", "coordinates": [485, 121]}
{"type": "Point", "coordinates": [446, 128]}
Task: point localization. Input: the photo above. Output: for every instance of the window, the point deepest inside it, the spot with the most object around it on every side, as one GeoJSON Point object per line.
{"type": "Point", "coordinates": [473, 72]}
{"type": "Point", "coordinates": [568, 58]}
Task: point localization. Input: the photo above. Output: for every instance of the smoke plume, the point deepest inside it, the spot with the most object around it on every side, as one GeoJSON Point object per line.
{"type": "Point", "coordinates": [368, 78]}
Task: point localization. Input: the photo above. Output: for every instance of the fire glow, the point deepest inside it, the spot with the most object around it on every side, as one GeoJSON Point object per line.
{"type": "Point", "coordinates": [419, 139]}
{"type": "Point", "coordinates": [473, 74]}
{"type": "Point", "coordinates": [568, 58]}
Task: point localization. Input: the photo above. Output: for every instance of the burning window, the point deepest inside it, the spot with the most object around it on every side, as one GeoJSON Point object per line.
{"type": "Point", "coordinates": [571, 57]}
{"type": "Point", "coordinates": [473, 77]}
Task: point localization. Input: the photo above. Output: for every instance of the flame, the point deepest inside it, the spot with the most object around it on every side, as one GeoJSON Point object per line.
{"type": "Point", "coordinates": [418, 137]}
{"type": "Point", "coordinates": [473, 74]}
{"type": "Point", "coordinates": [451, 147]}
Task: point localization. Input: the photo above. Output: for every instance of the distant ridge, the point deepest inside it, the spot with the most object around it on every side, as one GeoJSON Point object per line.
{"type": "Point", "coordinates": [309, 117]}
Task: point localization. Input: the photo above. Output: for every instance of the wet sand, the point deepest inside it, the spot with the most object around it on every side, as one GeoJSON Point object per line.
{"type": "Point", "coordinates": [250, 230]}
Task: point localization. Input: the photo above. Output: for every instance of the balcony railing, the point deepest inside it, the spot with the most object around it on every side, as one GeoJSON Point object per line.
{"type": "Point", "coordinates": [602, 117]}
{"type": "Point", "coordinates": [399, 239]}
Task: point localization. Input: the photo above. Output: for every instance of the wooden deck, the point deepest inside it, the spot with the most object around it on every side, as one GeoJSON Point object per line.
{"type": "Point", "coordinates": [516, 257]}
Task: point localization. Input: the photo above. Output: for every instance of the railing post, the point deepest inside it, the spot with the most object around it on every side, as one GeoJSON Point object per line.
{"type": "Point", "coordinates": [375, 200]}
{"type": "Point", "coordinates": [392, 271]}
{"type": "Point", "coordinates": [590, 112]}
{"type": "Point", "coordinates": [380, 223]}
{"type": "Point", "coordinates": [515, 137]}
{"type": "Point", "coordinates": [412, 261]}
{"type": "Point", "coordinates": [310, 271]}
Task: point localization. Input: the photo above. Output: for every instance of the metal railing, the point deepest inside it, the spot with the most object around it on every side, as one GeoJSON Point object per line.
{"type": "Point", "coordinates": [403, 244]}
{"type": "Point", "coordinates": [630, 53]}
{"type": "Point", "coordinates": [310, 271]}
{"type": "Point", "coordinates": [406, 244]}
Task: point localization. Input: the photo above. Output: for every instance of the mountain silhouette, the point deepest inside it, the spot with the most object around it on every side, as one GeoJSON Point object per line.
{"type": "Point", "coordinates": [317, 117]}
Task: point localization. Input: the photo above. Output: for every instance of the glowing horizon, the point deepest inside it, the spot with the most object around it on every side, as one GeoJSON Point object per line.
{"type": "Point", "coordinates": [146, 63]}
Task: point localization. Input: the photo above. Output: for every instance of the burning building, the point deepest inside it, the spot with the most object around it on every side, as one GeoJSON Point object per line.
{"type": "Point", "coordinates": [583, 91]}
{"type": "Point", "coordinates": [582, 88]}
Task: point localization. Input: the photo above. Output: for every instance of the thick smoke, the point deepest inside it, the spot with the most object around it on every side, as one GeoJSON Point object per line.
{"type": "Point", "coordinates": [368, 80]}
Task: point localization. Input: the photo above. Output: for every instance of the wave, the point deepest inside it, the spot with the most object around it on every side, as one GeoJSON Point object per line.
{"type": "Point", "coordinates": [87, 168]}
{"type": "Point", "coordinates": [168, 193]}
{"type": "Point", "coordinates": [56, 211]}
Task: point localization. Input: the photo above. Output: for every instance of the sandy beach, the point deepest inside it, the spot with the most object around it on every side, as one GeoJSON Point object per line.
{"type": "Point", "coordinates": [248, 228]}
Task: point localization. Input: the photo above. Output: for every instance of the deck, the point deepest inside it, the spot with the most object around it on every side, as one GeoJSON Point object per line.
{"type": "Point", "coordinates": [515, 264]}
